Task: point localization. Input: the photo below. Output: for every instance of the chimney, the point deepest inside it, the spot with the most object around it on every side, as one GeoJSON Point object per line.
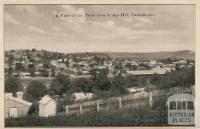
{"type": "Point", "coordinates": [8, 95]}
{"type": "Point", "coordinates": [20, 95]}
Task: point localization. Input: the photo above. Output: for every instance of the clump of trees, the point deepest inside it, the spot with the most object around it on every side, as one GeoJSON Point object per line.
{"type": "Point", "coordinates": [182, 77]}
{"type": "Point", "coordinates": [12, 85]}
{"type": "Point", "coordinates": [35, 90]}
{"type": "Point", "coordinates": [62, 85]}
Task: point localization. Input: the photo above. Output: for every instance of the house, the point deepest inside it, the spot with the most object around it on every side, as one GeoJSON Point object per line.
{"type": "Point", "coordinates": [54, 62]}
{"type": "Point", "coordinates": [25, 74]}
{"type": "Point", "coordinates": [182, 62]}
{"type": "Point", "coordinates": [135, 89]}
{"type": "Point", "coordinates": [47, 106]}
{"type": "Point", "coordinates": [16, 106]}
{"type": "Point", "coordinates": [146, 72]}
{"type": "Point", "coordinates": [82, 96]}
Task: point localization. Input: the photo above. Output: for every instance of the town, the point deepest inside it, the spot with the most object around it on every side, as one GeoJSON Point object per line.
{"type": "Point", "coordinates": [44, 83]}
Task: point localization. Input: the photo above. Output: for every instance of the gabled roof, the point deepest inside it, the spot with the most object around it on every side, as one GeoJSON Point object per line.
{"type": "Point", "coordinates": [18, 100]}
{"type": "Point", "coordinates": [181, 97]}
{"type": "Point", "coordinates": [46, 99]}
{"type": "Point", "coordinates": [146, 72]}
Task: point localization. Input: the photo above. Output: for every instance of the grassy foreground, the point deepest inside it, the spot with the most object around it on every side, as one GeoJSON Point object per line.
{"type": "Point", "coordinates": [127, 117]}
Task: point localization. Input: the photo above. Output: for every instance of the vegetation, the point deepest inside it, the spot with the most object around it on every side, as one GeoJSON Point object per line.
{"type": "Point", "coordinates": [12, 85]}
{"type": "Point", "coordinates": [35, 90]}
{"type": "Point", "coordinates": [60, 84]}
{"type": "Point", "coordinates": [129, 117]}
{"type": "Point", "coordinates": [182, 77]}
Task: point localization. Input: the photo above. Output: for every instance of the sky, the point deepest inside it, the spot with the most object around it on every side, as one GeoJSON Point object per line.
{"type": "Point", "coordinates": [71, 28]}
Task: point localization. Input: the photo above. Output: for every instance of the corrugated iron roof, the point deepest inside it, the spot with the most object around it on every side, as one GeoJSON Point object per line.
{"type": "Point", "coordinates": [45, 99]}
{"type": "Point", "coordinates": [18, 100]}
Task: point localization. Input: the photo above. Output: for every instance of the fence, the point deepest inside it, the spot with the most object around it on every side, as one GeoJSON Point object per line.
{"type": "Point", "coordinates": [136, 100]}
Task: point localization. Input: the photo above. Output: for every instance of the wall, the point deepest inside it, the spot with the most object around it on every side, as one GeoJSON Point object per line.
{"type": "Point", "coordinates": [48, 109]}
{"type": "Point", "coordinates": [22, 109]}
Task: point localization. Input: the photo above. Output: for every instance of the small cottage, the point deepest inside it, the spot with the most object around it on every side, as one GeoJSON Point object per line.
{"type": "Point", "coordinates": [16, 106]}
{"type": "Point", "coordinates": [82, 96]}
{"type": "Point", "coordinates": [47, 106]}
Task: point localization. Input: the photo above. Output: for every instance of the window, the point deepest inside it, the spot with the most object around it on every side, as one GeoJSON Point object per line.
{"type": "Point", "coordinates": [13, 112]}
{"type": "Point", "coordinates": [190, 105]}
{"type": "Point", "coordinates": [173, 105]}
{"type": "Point", "coordinates": [181, 105]}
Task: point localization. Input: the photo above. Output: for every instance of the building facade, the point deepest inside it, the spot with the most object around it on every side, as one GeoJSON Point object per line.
{"type": "Point", "coordinates": [47, 106]}
{"type": "Point", "coordinates": [16, 106]}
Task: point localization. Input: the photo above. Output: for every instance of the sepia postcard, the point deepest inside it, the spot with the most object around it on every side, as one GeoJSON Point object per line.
{"type": "Point", "coordinates": [99, 64]}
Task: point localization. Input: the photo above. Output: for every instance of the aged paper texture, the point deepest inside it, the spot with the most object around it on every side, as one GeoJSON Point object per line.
{"type": "Point", "coordinates": [99, 64]}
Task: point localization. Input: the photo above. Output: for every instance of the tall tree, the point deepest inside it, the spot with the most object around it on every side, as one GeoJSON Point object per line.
{"type": "Point", "coordinates": [31, 69]}
{"type": "Point", "coordinates": [12, 85]}
{"type": "Point", "coordinates": [35, 90]}
{"type": "Point", "coordinates": [83, 84]}
{"type": "Point", "coordinates": [60, 84]}
{"type": "Point", "coordinates": [19, 67]}
{"type": "Point", "coordinates": [102, 82]}
{"type": "Point", "coordinates": [120, 83]}
{"type": "Point", "coordinates": [10, 60]}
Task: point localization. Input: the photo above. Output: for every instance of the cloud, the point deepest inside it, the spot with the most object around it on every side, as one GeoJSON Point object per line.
{"type": "Point", "coordinates": [28, 9]}
{"type": "Point", "coordinates": [70, 10]}
{"type": "Point", "coordinates": [37, 30]}
{"type": "Point", "coordinates": [100, 32]}
{"type": "Point", "coordinates": [127, 19]}
{"type": "Point", "coordinates": [55, 28]}
{"type": "Point", "coordinates": [142, 22]}
{"type": "Point", "coordinates": [133, 37]}
{"type": "Point", "coordinates": [109, 24]}
{"type": "Point", "coordinates": [10, 19]}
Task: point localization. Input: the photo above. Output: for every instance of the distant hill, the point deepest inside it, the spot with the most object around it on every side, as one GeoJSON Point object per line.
{"type": "Point", "coordinates": [186, 54]}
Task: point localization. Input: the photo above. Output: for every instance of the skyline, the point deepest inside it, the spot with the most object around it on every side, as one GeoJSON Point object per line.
{"type": "Point", "coordinates": [36, 26]}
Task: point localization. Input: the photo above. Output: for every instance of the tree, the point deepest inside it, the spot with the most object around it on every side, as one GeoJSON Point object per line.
{"type": "Point", "coordinates": [154, 79]}
{"type": "Point", "coordinates": [53, 72]}
{"type": "Point", "coordinates": [19, 67]}
{"type": "Point", "coordinates": [146, 66]}
{"type": "Point", "coordinates": [10, 60]}
{"type": "Point", "coordinates": [131, 80]}
{"type": "Point", "coordinates": [31, 69]}
{"type": "Point", "coordinates": [60, 84]}
{"type": "Point", "coordinates": [44, 73]}
{"type": "Point", "coordinates": [45, 60]}
{"type": "Point", "coordinates": [12, 85]}
{"type": "Point", "coordinates": [131, 67]}
{"type": "Point", "coordinates": [34, 109]}
{"type": "Point", "coordinates": [82, 84]}
{"type": "Point", "coordinates": [35, 90]}
{"type": "Point", "coordinates": [10, 71]}
{"type": "Point", "coordinates": [102, 82]}
{"type": "Point", "coordinates": [120, 83]}
{"type": "Point", "coordinates": [183, 77]}
{"type": "Point", "coordinates": [97, 59]}
{"type": "Point", "coordinates": [33, 50]}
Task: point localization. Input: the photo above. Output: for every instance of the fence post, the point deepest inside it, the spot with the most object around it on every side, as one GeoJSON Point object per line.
{"type": "Point", "coordinates": [120, 103]}
{"type": "Point", "coordinates": [67, 109]}
{"type": "Point", "coordinates": [150, 99]}
{"type": "Point", "coordinates": [97, 105]}
{"type": "Point", "coordinates": [80, 108]}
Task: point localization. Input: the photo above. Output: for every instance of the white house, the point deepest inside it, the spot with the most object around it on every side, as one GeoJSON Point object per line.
{"type": "Point", "coordinates": [83, 96]}
{"type": "Point", "coordinates": [47, 106]}
{"type": "Point", "coordinates": [16, 106]}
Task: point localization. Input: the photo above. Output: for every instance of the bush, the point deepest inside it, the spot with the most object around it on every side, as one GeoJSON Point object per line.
{"type": "Point", "coordinates": [126, 117]}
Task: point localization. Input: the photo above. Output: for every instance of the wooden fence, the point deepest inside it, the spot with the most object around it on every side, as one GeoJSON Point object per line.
{"type": "Point", "coordinates": [136, 100]}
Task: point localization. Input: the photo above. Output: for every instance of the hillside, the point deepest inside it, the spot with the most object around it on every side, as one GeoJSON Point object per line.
{"type": "Point", "coordinates": [186, 54]}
